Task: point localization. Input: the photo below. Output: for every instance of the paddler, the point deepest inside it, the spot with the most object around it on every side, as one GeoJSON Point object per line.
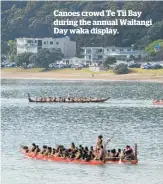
{"type": "Point", "coordinates": [102, 150]}
{"type": "Point", "coordinates": [102, 153]}
{"type": "Point", "coordinates": [32, 149]}
{"type": "Point", "coordinates": [156, 100]}
{"type": "Point", "coordinates": [72, 147]}
{"type": "Point", "coordinates": [129, 153]}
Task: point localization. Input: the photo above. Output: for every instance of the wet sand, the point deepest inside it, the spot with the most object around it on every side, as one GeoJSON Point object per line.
{"type": "Point", "coordinates": [81, 76]}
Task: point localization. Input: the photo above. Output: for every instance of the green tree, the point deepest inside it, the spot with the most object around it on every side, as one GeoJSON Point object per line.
{"type": "Point", "coordinates": [23, 59]}
{"type": "Point", "coordinates": [150, 49]}
{"type": "Point", "coordinates": [109, 61]}
{"type": "Point", "coordinates": [44, 57]}
{"type": "Point", "coordinates": [121, 69]}
{"type": "Point", "coordinates": [156, 31]}
{"type": "Point", "coordinates": [4, 48]}
{"type": "Point", "coordinates": [12, 50]}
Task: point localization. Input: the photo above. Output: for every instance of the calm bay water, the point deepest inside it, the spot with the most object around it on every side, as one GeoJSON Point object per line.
{"type": "Point", "coordinates": [130, 113]}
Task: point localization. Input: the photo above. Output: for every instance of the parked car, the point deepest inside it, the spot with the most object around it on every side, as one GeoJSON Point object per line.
{"type": "Point", "coordinates": [78, 67]}
{"type": "Point", "coordinates": [146, 66]}
{"type": "Point", "coordinates": [156, 66]}
{"type": "Point", "coordinates": [31, 65]}
{"type": "Point", "coordinates": [2, 65]}
{"type": "Point", "coordinates": [8, 65]}
{"type": "Point", "coordinates": [134, 65]}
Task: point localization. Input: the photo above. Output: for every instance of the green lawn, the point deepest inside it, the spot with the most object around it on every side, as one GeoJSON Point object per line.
{"type": "Point", "coordinates": [14, 70]}
{"type": "Point", "coordinates": [63, 70]}
{"type": "Point", "coordinates": [84, 70]}
{"type": "Point", "coordinates": [147, 71]}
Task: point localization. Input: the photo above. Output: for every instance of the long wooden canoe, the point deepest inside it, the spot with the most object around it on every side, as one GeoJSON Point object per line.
{"type": "Point", "coordinates": [76, 161]}
{"type": "Point", "coordinates": [66, 100]}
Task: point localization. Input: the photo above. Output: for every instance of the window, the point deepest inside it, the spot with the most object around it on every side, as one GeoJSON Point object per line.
{"type": "Point", "coordinates": [113, 49]}
{"type": "Point", "coordinates": [128, 49]}
{"type": "Point", "coordinates": [44, 42]}
{"type": "Point", "coordinates": [39, 43]}
{"type": "Point", "coordinates": [51, 43]}
{"type": "Point", "coordinates": [99, 57]}
{"type": "Point", "coordinates": [29, 41]}
{"type": "Point", "coordinates": [121, 49]}
{"type": "Point", "coordinates": [57, 43]}
{"type": "Point", "coordinates": [108, 50]}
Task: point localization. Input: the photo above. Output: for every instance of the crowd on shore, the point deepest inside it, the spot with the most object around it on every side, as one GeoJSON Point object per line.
{"type": "Point", "coordinates": [84, 153]}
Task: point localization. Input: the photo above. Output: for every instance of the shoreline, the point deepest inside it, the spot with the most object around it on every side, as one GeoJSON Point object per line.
{"type": "Point", "coordinates": [82, 77]}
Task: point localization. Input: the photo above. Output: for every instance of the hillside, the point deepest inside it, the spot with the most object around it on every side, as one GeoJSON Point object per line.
{"type": "Point", "coordinates": [35, 19]}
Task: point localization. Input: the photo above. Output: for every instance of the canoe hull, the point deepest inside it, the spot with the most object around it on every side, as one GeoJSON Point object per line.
{"type": "Point", "coordinates": [60, 159]}
{"type": "Point", "coordinates": [158, 103]}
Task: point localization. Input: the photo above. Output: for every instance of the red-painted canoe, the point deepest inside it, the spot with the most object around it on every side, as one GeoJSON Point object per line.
{"type": "Point", "coordinates": [158, 102]}
{"type": "Point", "coordinates": [60, 159]}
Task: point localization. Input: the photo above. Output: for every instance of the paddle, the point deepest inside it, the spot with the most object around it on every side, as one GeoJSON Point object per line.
{"type": "Point", "coordinates": [113, 134]}
{"type": "Point", "coordinates": [120, 160]}
{"type": "Point", "coordinates": [108, 140]}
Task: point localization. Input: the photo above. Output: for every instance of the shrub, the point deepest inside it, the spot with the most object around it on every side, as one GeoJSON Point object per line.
{"type": "Point", "coordinates": [109, 61]}
{"type": "Point", "coordinates": [156, 66]}
{"type": "Point", "coordinates": [121, 69]}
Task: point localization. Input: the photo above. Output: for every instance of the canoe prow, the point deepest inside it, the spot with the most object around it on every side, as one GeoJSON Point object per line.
{"type": "Point", "coordinates": [29, 98]}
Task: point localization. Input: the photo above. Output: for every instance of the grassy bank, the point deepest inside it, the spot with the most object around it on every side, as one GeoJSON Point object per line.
{"type": "Point", "coordinates": [83, 71]}
{"type": "Point", "coordinates": [17, 70]}
{"type": "Point", "coordinates": [63, 70]}
{"type": "Point", "coordinates": [147, 71]}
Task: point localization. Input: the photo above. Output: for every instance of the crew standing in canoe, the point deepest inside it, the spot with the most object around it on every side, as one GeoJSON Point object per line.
{"type": "Point", "coordinates": [101, 148]}
{"type": "Point", "coordinates": [99, 143]}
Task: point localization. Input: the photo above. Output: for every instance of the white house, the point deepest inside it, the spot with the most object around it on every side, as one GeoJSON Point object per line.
{"type": "Point", "coordinates": [122, 53]}
{"type": "Point", "coordinates": [99, 54]}
{"type": "Point", "coordinates": [67, 46]}
{"type": "Point", "coordinates": [93, 54]}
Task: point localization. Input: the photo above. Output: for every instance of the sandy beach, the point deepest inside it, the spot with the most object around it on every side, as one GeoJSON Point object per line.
{"type": "Point", "coordinates": [79, 75]}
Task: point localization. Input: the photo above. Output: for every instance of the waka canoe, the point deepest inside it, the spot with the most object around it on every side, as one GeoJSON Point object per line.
{"type": "Point", "coordinates": [66, 100]}
{"type": "Point", "coordinates": [79, 161]}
